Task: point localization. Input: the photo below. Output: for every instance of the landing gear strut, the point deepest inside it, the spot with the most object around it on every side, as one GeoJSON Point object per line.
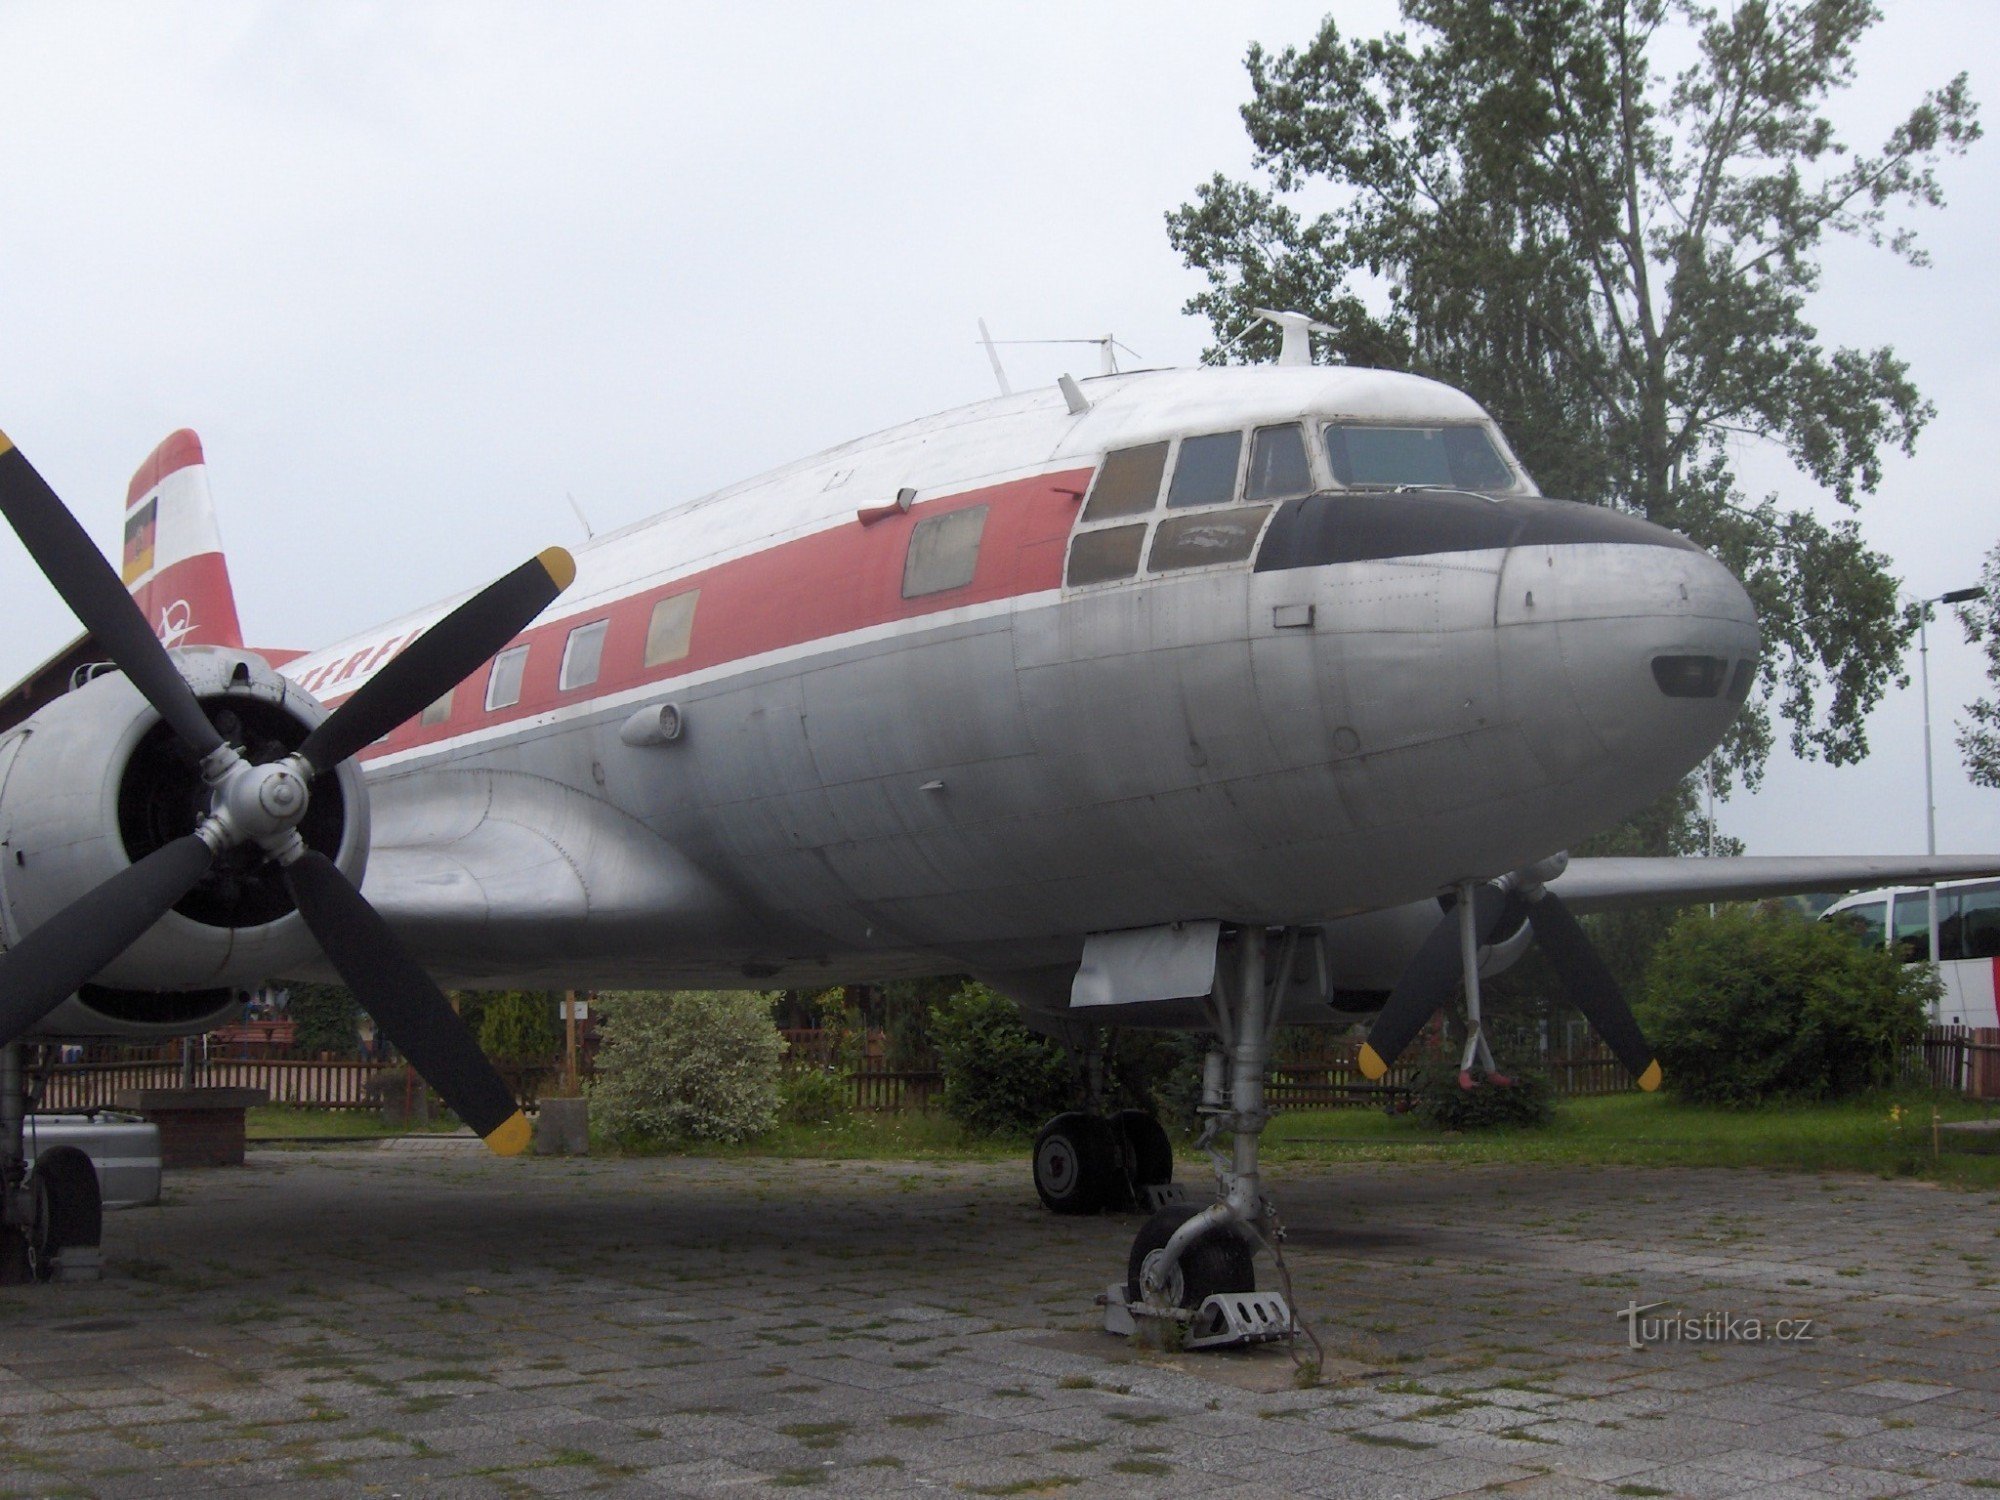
{"type": "Point", "coordinates": [1194, 1266]}
{"type": "Point", "coordinates": [51, 1209]}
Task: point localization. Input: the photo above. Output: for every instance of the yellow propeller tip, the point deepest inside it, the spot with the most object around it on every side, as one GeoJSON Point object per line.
{"type": "Point", "coordinates": [1372, 1066]}
{"type": "Point", "coordinates": [511, 1136]}
{"type": "Point", "coordinates": [559, 565]}
{"type": "Point", "coordinates": [6, 444]}
{"type": "Point", "coordinates": [1650, 1079]}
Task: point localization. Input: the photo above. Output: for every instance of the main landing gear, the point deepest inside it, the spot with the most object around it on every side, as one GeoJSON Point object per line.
{"type": "Point", "coordinates": [1192, 1265]}
{"type": "Point", "coordinates": [1085, 1162]}
{"type": "Point", "coordinates": [51, 1209]}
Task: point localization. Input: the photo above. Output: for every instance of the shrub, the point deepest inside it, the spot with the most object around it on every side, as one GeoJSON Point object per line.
{"type": "Point", "coordinates": [815, 1096]}
{"type": "Point", "coordinates": [688, 1065]}
{"type": "Point", "coordinates": [999, 1077]}
{"type": "Point", "coordinates": [1527, 1101]}
{"type": "Point", "coordinates": [1750, 1005]}
{"type": "Point", "coordinates": [325, 1018]}
{"type": "Point", "coordinates": [519, 1026]}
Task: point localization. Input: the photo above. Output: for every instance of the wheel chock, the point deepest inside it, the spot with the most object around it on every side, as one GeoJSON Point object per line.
{"type": "Point", "coordinates": [1227, 1320]}
{"type": "Point", "coordinates": [1154, 1196]}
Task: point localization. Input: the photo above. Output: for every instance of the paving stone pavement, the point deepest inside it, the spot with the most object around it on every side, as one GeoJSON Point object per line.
{"type": "Point", "coordinates": [358, 1321]}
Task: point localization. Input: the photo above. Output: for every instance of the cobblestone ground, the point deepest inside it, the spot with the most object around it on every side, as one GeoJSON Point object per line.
{"type": "Point", "coordinates": [400, 1322]}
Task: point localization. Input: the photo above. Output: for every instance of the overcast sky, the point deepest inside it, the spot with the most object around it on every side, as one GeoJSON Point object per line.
{"type": "Point", "coordinates": [415, 272]}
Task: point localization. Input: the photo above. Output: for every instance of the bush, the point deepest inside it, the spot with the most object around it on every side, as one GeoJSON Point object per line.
{"type": "Point", "coordinates": [325, 1018]}
{"type": "Point", "coordinates": [1750, 1005]}
{"type": "Point", "coordinates": [519, 1026]}
{"type": "Point", "coordinates": [815, 1096]}
{"type": "Point", "coordinates": [687, 1065]}
{"type": "Point", "coordinates": [1527, 1101]}
{"type": "Point", "coordinates": [999, 1077]}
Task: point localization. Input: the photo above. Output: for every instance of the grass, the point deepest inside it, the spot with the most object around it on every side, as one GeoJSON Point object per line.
{"type": "Point", "coordinates": [1631, 1129]}
{"type": "Point", "coordinates": [291, 1122]}
{"type": "Point", "coordinates": [1656, 1130]}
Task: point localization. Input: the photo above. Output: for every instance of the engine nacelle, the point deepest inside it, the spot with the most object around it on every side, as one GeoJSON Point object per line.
{"type": "Point", "coordinates": [96, 781]}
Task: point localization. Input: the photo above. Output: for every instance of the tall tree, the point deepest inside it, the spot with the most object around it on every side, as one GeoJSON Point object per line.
{"type": "Point", "coordinates": [1979, 736]}
{"type": "Point", "coordinates": [1615, 258]}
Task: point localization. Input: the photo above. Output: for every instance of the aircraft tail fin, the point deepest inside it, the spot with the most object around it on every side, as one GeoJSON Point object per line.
{"type": "Point", "coordinates": [173, 562]}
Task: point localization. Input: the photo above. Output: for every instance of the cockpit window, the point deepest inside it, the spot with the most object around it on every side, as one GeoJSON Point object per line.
{"type": "Point", "coordinates": [1278, 467]}
{"type": "Point", "coordinates": [1459, 458]}
{"type": "Point", "coordinates": [1128, 483]}
{"type": "Point", "coordinates": [1221, 536]}
{"type": "Point", "coordinates": [1102, 556]}
{"type": "Point", "coordinates": [1205, 472]}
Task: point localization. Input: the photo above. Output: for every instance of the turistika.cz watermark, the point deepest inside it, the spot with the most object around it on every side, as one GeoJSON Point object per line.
{"type": "Point", "coordinates": [1644, 1326]}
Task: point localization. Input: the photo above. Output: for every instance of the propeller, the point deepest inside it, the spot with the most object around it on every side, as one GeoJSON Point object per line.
{"type": "Point", "coordinates": [263, 804]}
{"type": "Point", "coordinates": [1434, 974]}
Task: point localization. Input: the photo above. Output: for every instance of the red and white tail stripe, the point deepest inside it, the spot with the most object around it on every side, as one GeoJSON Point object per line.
{"type": "Point", "coordinates": [172, 559]}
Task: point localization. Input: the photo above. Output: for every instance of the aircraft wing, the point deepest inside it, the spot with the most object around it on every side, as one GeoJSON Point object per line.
{"type": "Point", "coordinates": [1604, 884]}
{"type": "Point", "coordinates": [489, 874]}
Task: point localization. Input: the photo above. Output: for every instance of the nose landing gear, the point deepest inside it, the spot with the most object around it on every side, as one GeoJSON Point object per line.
{"type": "Point", "coordinates": [1191, 1265]}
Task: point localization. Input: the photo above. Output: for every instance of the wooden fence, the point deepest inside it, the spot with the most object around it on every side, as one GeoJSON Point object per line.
{"type": "Point", "coordinates": [1961, 1059]}
{"type": "Point", "coordinates": [1957, 1058]}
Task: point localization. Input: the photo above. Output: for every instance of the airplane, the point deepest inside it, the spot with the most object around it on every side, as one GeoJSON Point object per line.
{"type": "Point", "coordinates": [1218, 698]}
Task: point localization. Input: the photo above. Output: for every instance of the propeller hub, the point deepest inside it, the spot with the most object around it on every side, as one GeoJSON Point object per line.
{"type": "Point", "coordinates": [262, 804]}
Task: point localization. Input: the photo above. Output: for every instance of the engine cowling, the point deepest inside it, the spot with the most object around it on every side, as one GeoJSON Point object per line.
{"type": "Point", "coordinates": [95, 781]}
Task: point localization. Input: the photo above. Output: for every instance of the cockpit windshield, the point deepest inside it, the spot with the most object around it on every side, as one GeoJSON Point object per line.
{"type": "Point", "coordinates": [1373, 456]}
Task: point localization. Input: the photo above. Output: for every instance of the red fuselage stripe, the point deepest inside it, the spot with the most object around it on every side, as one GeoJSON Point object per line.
{"type": "Point", "coordinates": [831, 583]}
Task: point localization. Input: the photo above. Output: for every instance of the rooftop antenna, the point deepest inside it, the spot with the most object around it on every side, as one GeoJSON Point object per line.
{"type": "Point", "coordinates": [1107, 349]}
{"type": "Point", "coordinates": [994, 355]}
{"type": "Point", "coordinates": [1295, 347]}
{"type": "Point", "coordinates": [582, 519]}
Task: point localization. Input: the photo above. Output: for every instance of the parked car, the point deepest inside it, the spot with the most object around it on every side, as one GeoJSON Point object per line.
{"type": "Point", "coordinates": [124, 1149]}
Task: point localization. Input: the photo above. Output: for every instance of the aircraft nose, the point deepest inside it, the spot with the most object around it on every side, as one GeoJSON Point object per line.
{"type": "Point", "coordinates": [1634, 656]}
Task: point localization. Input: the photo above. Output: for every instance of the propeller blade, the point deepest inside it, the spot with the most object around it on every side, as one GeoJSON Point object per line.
{"type": "Point", "coordinates": [1592, 989]}
{"type": "Point", "coordinates": [70, 561]}
{"type": "Point", "coordinates": [440, 659]}
{"type": "Point", "coordinates": [1426, 983]}
{"type": "Point", "coordinates": [42, 970]}
{"type": "Point", "coordinates": [411, 1010]}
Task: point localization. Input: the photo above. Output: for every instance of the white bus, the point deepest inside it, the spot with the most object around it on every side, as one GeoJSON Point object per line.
{"type": "Point", "coordinates": [1968, 940]}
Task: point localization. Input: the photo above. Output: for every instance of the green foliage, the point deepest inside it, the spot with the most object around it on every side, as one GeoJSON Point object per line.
{"type": "Point", "coordinates": [1979, 735]}
{"type": "Point", "coordinates": [815, 1096]}
{"type": "Point", "coordinates": [519, 1026]}
{"type": "Point", "coordinates": [687, 1065]}
{"type": "Point", "coordinates": [1527, 1101]}
{"type": "Point", "coordinates": [326, 1017]}
{"type": "Point", "coordinates": [1605, 222]}
{"type": "Point", "coordinates": [1757, 1004]}
{"type": "Point", "coordinates": [999, 1077]}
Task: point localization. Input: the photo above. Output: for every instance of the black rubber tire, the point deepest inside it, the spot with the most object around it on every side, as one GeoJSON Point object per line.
{"type": "Point", "coordinates": [1076, 1164]}
{"type": "Point", "coordinates": [1220, 1261]}
{"type": "Point", "coordinates": [69, 1206]}
{"type": "Point", "coordinates": [1143, 1144]}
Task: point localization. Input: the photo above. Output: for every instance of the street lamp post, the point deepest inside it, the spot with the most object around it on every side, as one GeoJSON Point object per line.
{"type": "Point", "coordinates": [1956, 596]}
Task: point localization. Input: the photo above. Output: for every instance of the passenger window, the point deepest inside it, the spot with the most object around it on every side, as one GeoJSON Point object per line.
{"type": "Point", "coordinates": [1913, 926]}
{"type": "Point", "coordinates": [1127, 483]}
{"type": "Point", "coordinates": [944, 552]}
{"type": "Point", "coordinates": [1979, 922]}
{"type": "Point", "coordinates": [503, 683]}
{"type": "Point", "coordinates": [1100, 556]}
{"type": "Point", "coordinates": [1866, 921]}
{"type": "Point", "coordinates": [1205, 471]}
{"type": "Point", "coordinates": [1214, 537]}
{"type": "Point", "coordinates": [1278, 468]}
{"type": "Point", "coordinates": [438, 712]}
{"type": "Point", "coordinates": [671, 629]}
{"type": "Point", "coordinates": [582, 656]}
